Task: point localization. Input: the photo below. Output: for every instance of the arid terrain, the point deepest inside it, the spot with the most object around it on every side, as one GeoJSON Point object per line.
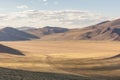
{"type": "Point", "coordinates": [59, 40]}
{"type": "Point", "coordinates": [97, 60]}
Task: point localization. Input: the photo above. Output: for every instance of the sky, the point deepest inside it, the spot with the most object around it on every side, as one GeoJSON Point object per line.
{"type": "Point", "coordinates": [61, 13]}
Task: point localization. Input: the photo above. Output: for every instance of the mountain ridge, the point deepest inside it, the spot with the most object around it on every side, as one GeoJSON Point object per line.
{"type": "Point", "coordinates": [12, 34]}
{"type": "Point", "coordinates": [107, 30]}
{"type": "Point", "coordinates": [48, 30]}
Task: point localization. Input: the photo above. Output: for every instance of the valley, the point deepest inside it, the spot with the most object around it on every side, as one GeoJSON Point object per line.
{"type": "Point", "coordinates": [59, 40]}
{"type": "Point", "coordinates": [90, 59]}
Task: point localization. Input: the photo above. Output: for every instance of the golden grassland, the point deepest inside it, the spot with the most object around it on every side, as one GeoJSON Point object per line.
{"type": "Point", "coordinates": [75, 57]}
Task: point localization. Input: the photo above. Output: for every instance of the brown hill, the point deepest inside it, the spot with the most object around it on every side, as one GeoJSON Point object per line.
{"type": "Point", "coordinates": [46, 31]}
{"type": "Point", "coordinates": [107, 30]}
{"type": "Point", "coordinates": [9, 50]}
{"type": "Point", "coordinates": [12, 34]}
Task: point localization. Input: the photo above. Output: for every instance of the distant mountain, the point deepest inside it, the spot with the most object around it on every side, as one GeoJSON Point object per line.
{"type": "Point", "coordinates": [107, 30]}
{"type": "Point", "coordinates": [12, 34]}
{"type": "Point", "coordinates": [25, 28]}
{"type": "Point", "coordinates": [46, 31]}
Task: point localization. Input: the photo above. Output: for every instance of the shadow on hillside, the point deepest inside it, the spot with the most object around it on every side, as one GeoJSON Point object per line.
{"type": "Point", "coordinates": [11, 74]}
{"type": "Point", "coordinates": [9, 50]}
{"type": "Point", "coordinates": [113, 57]}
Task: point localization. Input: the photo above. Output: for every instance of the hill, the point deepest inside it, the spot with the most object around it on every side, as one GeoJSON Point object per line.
{"type": "Point", "coordinates": [9, 50]}
{"type": "Point", "coordinates": [12, 34]}
{"type": "Point", "coordinates": [46, 31]}
{"type": "Point", "coordinates": [107, 30]}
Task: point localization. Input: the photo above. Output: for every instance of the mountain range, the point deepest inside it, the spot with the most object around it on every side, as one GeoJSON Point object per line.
{"type": "Point", "coordinates": [107, 30]}
{"type": "Point", "coordinates": [45, 31]}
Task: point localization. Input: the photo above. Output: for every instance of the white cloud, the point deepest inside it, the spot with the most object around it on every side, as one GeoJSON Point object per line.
{"type": "Point", "coordinates": [22, 7]}
{"type": "Point", "coordinates": [40, 18]}
{"type": "Point", "coordinates": [44, 0]}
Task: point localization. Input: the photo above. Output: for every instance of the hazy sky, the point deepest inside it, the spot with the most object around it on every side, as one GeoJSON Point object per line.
{"type": "Point", "coordinates": [65, 13]}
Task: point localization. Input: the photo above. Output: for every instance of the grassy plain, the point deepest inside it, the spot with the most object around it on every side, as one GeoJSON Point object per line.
{"type": "Point", "coordinates": [87, 58]}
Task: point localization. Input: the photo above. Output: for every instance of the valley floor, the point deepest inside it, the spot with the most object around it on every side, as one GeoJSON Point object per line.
{"type": "Point", "coordinates": [93, 59]}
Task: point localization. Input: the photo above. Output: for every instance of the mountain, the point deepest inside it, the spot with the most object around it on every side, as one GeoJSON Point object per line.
{"type": "Point", "coordinates": [46, 31]}
{"type": "Point", "coordinates": [25, 28]}
{"type": "Point", "coordinates": [107, 30]}
{"type": "Point", "coordinates": [12, 34]}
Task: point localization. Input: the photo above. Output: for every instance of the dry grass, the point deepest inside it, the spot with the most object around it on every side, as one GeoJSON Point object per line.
{"type": "Point", "coordinates": [76, 57]}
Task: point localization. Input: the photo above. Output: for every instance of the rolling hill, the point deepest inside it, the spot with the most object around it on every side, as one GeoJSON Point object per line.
{"type": "Point", "coordinates": [107, 30]}
{"type": "Point", "coordinates": [46, 31]}
{"type": "Point", "coordinates": [12, 34]}
{"type": "Point", "coordinates": [9, 50]}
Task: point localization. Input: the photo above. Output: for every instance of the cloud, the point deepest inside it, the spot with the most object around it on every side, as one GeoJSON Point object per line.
{"type": "Point", "coordinates": [44, 0]}
{"type": "Point", "coordinates": [40, 18]}
{"type": "Point", "coordinates": [22, 7]}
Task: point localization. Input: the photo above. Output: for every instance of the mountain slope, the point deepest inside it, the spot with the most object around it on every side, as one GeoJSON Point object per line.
{"type": "Point", "coordinates": [46, 31]}
{"type": "Point", "coordinates": [107, 30]}
{"type": "Point", "coordinates": [12, 34]}
{"type": "Point", "coordinates": [9, 50]}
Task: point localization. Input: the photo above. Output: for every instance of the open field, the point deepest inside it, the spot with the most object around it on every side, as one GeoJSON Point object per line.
{"type": "Point", "coordinates": [86, 58]}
